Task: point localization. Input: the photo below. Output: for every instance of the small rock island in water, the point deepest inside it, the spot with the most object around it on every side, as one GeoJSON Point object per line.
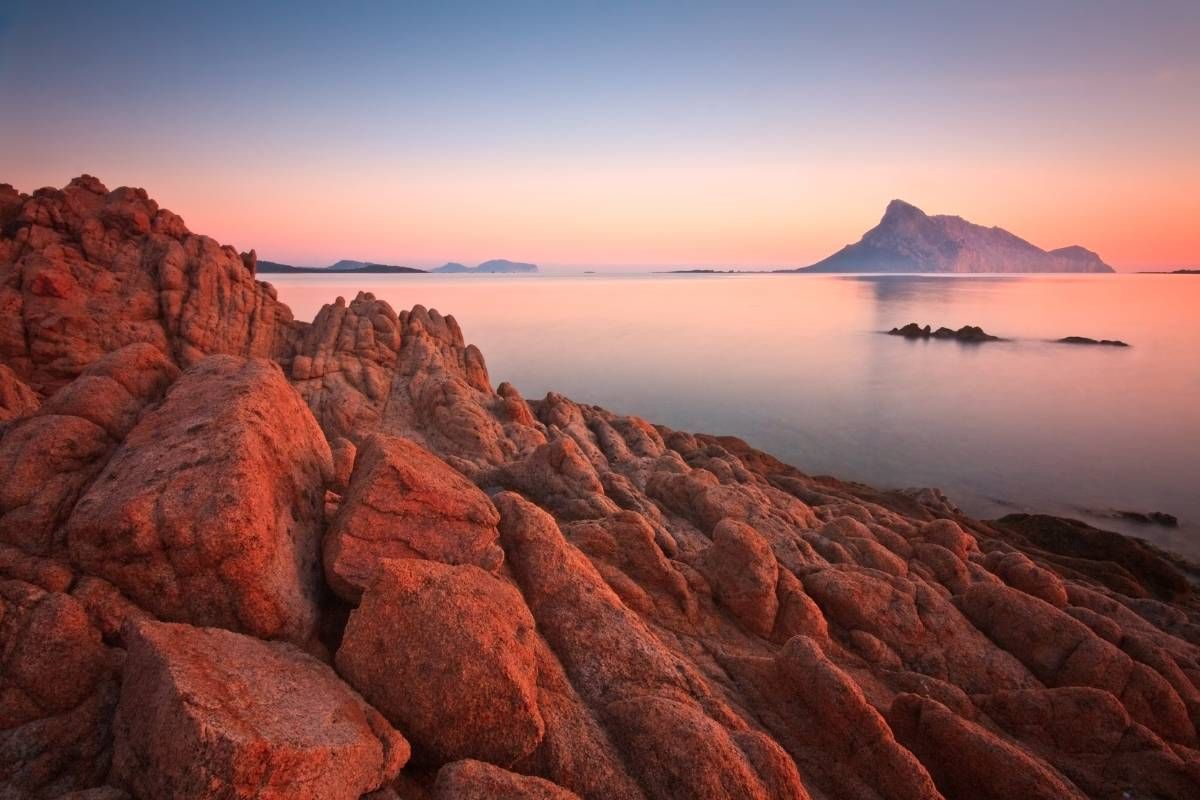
{"type": "Point", "coordinates": [967, 333]}
{"type": "Point", "coordinates": [1086, 340]}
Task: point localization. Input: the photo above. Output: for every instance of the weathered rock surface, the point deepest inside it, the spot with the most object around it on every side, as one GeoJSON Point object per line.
{"type": "Point", "coordinates": [85, 271]}
{"type": "Point", "coordinates": [547, 599]}
{"type": "Point", "coordinates": [404, 502]}
{"type": "Point", "coordinates": [210, 511]}
{"type": "Point", "coordinates": [49, 456]}
{"type": "Point", "coordinates": [207, 713]}
{"type": "Point", "coordinates": [58, 688]}
{"type": "Point", "coordinates": [477, 780]}
{"type": "Point", "coordinates": [16, 399]}
{"type": "Point", "coordinates": [447, 654]}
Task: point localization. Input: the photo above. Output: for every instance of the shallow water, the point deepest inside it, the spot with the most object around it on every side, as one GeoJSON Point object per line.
{"type": "Point", "coordinates": [798, 366]}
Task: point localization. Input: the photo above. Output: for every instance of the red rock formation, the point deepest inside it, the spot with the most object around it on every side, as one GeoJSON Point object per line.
{"type": "Point", "coordinates": [447, 654]}
{"type": "Point", "coordinates": [632, 613]}
{"type": "Point", "coordinates": [84, 271]}
{"type": "Point", "coordinates": [478, 780]}
{"type": "Point", "coordinates": [210, 713]}
{"type": "Point", "coordinates": [16, 399]}
{"type": "Point", "coordinates": [210, 511]}
{"type": "Point", "coordinates": [404, 502]}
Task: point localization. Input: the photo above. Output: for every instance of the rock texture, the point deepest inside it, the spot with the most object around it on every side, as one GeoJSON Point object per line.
{"type": "Point", "coordinates": [404, 502]}
{"type": "Point", "coordinates": [210, 713]}
{"type": "Point", "coordinates": [909, 240]}
{"type": "Point", "coordinates": [246, 556]}
{"type": "Point", "coordinates": [210, 511]}
{"type": "Point", "coordinates": [447, 654]}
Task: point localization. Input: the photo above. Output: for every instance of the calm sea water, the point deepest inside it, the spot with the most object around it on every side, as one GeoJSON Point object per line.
{"type": "Point", "coordinates": [798, 366]}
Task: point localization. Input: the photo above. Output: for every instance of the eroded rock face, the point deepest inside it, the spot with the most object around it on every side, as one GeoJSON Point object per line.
{"type": "Point", "coordinates": [58, 688]}
{"type": "Point", "coordinates": [85, 271]}
{"type": "Point", "coordinates": [49, 456]}
{"type": "Point", "coordinates": [970, 762]}
{"type": "Point", "coordinates": [16, 398]}
{"type": "Point", "coordinates": [210, 713]}
{"type": "Point", "coordinates": [210, 511]}
{"type": "Point", "coordinates": [553, 600]}
{"type": "Point", "coordinates": [477, 780]}
{"type": "Point", "coordinates": [447, 654]}
{"type": "Point", "coordinates": [404, 502]}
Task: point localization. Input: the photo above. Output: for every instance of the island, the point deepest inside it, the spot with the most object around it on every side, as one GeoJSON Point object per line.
{"type": "Point", "coordinates": [495, 266]}
{"type": "Point", "coordinates": [909, 240]}
{"type": "Point", "coordinates": [340, 268]}
{"type": "Point", "coordinates": [1086, 340]}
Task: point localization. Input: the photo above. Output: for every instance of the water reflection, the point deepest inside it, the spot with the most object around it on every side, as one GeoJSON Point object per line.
{"type": "Point", "coordinates": [796, 365]}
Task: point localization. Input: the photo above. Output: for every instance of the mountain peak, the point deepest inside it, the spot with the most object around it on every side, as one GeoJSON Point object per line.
{"type": "Point", "coordinates": [909, 240]}
{"type": "Point", "coordinates": [899, 209]}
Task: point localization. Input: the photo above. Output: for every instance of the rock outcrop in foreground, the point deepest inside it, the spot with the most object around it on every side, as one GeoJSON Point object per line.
{"type": "Point", "coordinates": [245, 556]}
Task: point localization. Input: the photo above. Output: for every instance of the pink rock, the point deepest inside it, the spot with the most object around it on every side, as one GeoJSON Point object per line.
{"type": "Point", "coordinates": [210, 511]}
{"type": "Point", "coordinates": [447, 654]}
{"type": "Point", "coordinates": [405, 502]}
{"type": "Point", "coordinates": [208, 713]}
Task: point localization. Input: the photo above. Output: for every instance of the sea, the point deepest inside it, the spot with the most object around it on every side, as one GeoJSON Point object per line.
{"type": "Point", "coordinates": [802, 367]}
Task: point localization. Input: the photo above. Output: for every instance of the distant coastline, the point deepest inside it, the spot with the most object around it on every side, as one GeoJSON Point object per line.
{"type": "Point", "coordinates": [348, 267]}
{"type": "Point", "coordinates": [273, 267]}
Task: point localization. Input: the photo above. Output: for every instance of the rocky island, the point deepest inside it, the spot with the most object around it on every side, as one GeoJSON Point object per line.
{"type": "Point", "coordinates": [967, 333]}
{"type": "Point", "coordinates": [909, 240]}
{"type": "Point", "coordinates": [243, 555]}
{"type": "Point", "coordinates": [1086, 340]}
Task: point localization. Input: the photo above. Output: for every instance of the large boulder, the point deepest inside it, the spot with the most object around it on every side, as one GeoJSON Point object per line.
{"type": "Point", "coordinates": [51, 455]}
{"type": "Point", "coordinates": [210, 511]}
{"type": "Point", "coordinates": [405, 502]}
{"type": "Point", "coordinates": [744, 575]}
{"type": "Point", "coordinates": [447, 654]}
{"type": "Point", "coordinates": [209, 713]}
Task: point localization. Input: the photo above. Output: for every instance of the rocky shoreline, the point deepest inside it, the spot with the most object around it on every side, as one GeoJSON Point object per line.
{"type": "Point", "coordinates": [247, 556]}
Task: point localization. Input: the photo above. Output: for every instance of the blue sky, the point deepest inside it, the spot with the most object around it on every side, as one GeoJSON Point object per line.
{"type": "Point", "coordinates": [564, 128]}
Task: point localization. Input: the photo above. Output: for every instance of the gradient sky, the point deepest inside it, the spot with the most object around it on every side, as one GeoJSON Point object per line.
{"type": "Point", "coordinates": [739, 134]}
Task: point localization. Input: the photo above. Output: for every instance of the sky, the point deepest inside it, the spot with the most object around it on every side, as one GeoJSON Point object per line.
{"type": "Point", "coordinates": [615, 135]}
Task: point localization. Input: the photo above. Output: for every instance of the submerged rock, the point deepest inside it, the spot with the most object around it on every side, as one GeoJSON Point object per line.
{"type": "Point", "coordinates": [967, 333]}
{"type": "Point", "coordinates": [1086, 340]}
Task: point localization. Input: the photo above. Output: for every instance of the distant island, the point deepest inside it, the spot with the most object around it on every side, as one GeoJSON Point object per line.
{"type": "Point", "coordinates": [909, 240]}
{"type": "Point", "coordinates": [1170, 272]}
{"type": "Point", "coordinates": [705, 271]}
{"type": "Point", "coordinates": [496, 265]}
{"type": "Point", "coordinates": [341, 267]}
